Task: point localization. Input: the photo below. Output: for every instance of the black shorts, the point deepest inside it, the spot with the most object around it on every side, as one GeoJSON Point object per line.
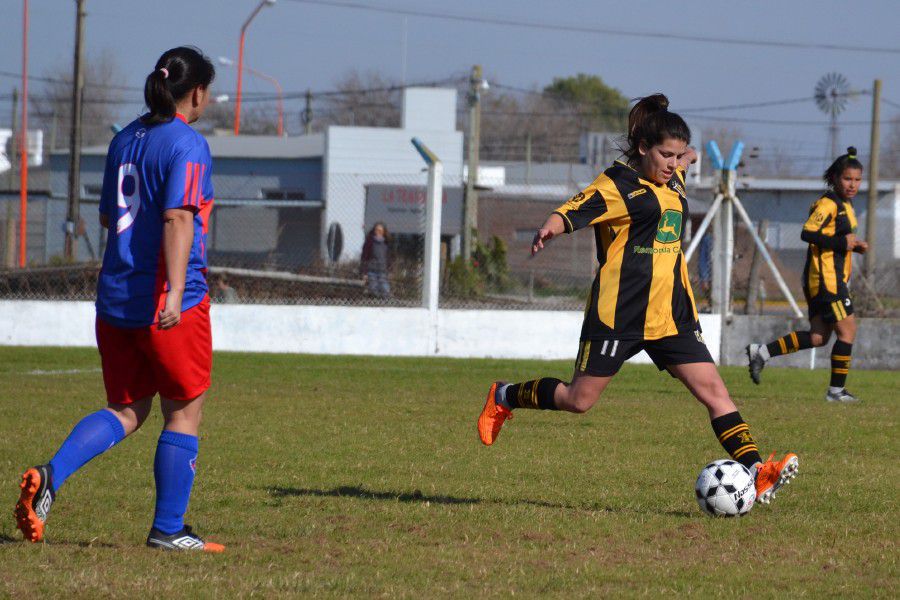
{"type": "Point", "coordinates": [832, 309]}
{"type": "Point", "coordinates": [603, 358]}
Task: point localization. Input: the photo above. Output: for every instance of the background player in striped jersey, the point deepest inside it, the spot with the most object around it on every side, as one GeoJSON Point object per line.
{"type": "Point", "coordinates": [153, 328]}
{"type": "Point", "coordinates": [641, 298]}
{"type": "Point", "coordinates": [830, 232]}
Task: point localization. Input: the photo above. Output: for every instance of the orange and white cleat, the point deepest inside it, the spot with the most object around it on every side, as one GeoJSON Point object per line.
{"type": "Point", "coordinates": [492, 417]}
{"type": "Point", "coordinates": [34, 502]}
{"type": "Point", "coordinates": [771, 475]}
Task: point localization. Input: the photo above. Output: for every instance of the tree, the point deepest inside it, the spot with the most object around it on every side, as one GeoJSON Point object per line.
{"type": "Point", "coordinates": [362, 99]}
{"type": "Point", "coordinates": [598, 106]}
{"type": "Point", "coordinates": [255, 119]}
{"type": "Point", "coordinates": [102, 101]}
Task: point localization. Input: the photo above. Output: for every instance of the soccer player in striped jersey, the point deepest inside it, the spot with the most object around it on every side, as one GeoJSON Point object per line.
{"type": "Point", "coordinates": [153, 328]}
{"type": "Point", "coordinates": [641, 298]}
{"type": "Point", "coordinates": [830, 232]}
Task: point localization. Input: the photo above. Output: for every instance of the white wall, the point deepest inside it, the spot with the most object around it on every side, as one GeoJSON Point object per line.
{"type": "Point", "coordinates": [340, 330]}
{"type": "Point", "coordinates": [358, 156]}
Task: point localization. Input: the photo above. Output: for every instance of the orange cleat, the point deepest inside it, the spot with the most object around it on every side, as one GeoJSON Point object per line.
{"type": "Point", "coordinates": [771, 475]}
{"type": "Point", "coordinates": [34, 502]}
{"type": "Point", "coordinates": [492, 417]}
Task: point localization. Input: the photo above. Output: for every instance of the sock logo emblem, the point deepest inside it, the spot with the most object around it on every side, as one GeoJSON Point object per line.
{"type": "Point", "coordinates": [745, 438]}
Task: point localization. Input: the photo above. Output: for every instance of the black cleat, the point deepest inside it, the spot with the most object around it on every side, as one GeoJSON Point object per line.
{"type": "Point", "coordinates": [756, 362]}
{"type": "Point", "coordinates": [35, 501]}
{"type": "Point", "coordinates": [181, 540]}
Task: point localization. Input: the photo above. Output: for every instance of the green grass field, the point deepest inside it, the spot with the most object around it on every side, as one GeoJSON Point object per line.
{"type": "Point", "coordinates": [364, 476]}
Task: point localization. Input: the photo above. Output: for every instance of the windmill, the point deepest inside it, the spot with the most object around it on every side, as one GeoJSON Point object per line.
{"type": "Point", "coordinates": [832, 95]}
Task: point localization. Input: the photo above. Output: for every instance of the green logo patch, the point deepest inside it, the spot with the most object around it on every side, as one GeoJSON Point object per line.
{"type": "Point", "coordinates": [669, 229]}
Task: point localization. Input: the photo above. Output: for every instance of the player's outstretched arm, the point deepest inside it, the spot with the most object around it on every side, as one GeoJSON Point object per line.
{"type": "Point", "coordinates": [178, 237]}
{"type": "Point", "coordinates": [553, 226]}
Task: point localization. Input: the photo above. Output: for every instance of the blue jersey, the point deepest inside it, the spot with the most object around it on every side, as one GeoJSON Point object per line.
{"type": "Point", "coordinates": [150, 169]}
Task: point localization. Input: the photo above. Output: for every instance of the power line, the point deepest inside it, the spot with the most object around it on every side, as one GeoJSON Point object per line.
{"type": "Point", "coordinates": [346, 4]}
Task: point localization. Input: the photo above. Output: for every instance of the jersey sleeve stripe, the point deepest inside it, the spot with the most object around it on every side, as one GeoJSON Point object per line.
{"type": "Point", "coordinates": [188, 176]}
{"type": "Point", "coordinates": [194, 186]}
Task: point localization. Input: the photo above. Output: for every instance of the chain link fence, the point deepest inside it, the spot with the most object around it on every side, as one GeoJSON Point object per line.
{"type": "Point", "coordinates": [273, 244]}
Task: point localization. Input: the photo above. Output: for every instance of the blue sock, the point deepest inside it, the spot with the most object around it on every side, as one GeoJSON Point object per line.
{"type": "Point", "coordinates": [93, 435]}
{"type": "Point", "coordinates": [173, 468]}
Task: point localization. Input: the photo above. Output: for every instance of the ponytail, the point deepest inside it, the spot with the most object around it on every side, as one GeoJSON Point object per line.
{"type": "Point", "coordinates": [178, 71]}
{"type": "Point", "coordinates": [841, 164]}
{"type": "Point", "coordinates": [651, 122]}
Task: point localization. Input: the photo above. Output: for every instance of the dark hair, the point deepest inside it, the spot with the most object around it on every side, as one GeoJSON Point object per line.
{"type": "Point", "coordinates": [651, 122]}
{"type": "Point", "coordinates": [841, 164]}
{"type": "Point", "coordinates": [387, 234]}
{"type": "Point", "coordinates": [177, 72]}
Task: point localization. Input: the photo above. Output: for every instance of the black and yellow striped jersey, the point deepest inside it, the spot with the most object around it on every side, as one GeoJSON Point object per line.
{"type": "Point", "coordinates": [641, 290]}
{"type": "Point", "coordinates": [828, 260]}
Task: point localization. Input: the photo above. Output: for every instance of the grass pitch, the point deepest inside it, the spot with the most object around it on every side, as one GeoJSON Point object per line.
{"type": "Point", "coordinates": [364, 476]}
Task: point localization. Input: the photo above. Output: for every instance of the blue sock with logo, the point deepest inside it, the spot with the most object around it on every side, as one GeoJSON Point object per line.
{"type": "Point", "coordinates": [173, 468]}
{"type": "Point", "coordinates": [92, 436]}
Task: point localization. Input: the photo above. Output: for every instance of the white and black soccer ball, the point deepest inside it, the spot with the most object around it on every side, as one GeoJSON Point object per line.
{"type": "Point", "coordinates": [725, 488]}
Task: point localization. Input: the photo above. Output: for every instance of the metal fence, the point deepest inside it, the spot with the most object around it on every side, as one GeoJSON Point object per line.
{"type": "Point", "coordinates": [281, 246]}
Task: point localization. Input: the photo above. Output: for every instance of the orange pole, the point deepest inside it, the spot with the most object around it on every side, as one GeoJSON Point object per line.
{"type": "Point", "coordinates": [237, 103]}
{"type": "Point", "coordinates": [23, 145]}
{"type": "Point", "coordinates": [279, 96]}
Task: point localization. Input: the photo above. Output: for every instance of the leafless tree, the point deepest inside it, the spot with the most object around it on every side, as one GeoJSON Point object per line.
{"type": "Point", "coordinates": [104, 90]}
{"type": "Point", "coordinates": [368, 99]}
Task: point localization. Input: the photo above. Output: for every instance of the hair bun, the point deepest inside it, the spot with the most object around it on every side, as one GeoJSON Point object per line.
{"type": "Point", "coordinates": [656, 102]}
{"type": "Point", "coordinates": [851, 152]}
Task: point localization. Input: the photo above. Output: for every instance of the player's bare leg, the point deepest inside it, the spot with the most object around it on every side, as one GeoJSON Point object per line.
{"type": "Point", "coordinates": [705, 383]}
{"type": "Point", "coordinates": [546, 393]}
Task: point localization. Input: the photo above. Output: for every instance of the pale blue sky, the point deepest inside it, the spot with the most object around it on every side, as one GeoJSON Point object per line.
{"type": "Point", "coordinates": [310, 46]}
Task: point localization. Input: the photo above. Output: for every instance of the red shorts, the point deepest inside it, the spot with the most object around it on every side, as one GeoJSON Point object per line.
{"type": "Point", "coordinates": [176, 363]}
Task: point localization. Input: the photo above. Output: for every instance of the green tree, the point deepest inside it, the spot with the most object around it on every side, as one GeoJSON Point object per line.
{"type": "Point", "coordinates": [598, 106]}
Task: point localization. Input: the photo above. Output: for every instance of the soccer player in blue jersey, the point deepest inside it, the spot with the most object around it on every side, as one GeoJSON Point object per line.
{"type": "Point", "coordinates": [153, 328]}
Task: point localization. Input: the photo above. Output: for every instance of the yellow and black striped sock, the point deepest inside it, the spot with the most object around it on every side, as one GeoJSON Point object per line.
{"type": "Point", "coordinates": [840, 363]}
{"type": "Point", "coordinates": [795, 340]}
{"type": "Point", "coordinates": [537, 393]}
{"type": "Point", "coordinates": [734, 435]}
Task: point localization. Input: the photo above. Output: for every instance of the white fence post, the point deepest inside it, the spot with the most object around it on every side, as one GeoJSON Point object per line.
{"type": "Point", "coordinates": [431, 271]}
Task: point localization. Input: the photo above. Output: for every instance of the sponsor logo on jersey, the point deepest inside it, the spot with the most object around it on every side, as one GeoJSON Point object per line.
{"type": "Point", "coordinates": [637, 193]}
{"type": "Point", "coordinates": [669, 228]}
{"type": "Point", "coordinates": [677, 187]}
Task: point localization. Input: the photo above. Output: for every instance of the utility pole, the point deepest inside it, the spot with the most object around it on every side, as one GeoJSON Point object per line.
{"type": "Point", "coordinates": [872, 205]}
{"type": "Point", "coordinates": [470, 217]}
{"type": "Point", "coordinates": [10, 250]}
{"type": "Point", "coordinates": [528, 159]}
{"type": "Point", "coordinates": [73, 213]}
{"type": "Point", "coordinates": [13, 152]}
{"type": "Point", "coordinates": [307, 113]}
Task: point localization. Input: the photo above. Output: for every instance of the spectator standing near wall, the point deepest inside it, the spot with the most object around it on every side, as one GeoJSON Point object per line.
{"type": "Point", "coordinates": [375, 261]}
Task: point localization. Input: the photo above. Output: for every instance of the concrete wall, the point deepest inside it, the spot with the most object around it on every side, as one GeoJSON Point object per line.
{"type": "Point", "coordinates": [877, 343]}
{"type": "Point", "coordinates": [339, 330]}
